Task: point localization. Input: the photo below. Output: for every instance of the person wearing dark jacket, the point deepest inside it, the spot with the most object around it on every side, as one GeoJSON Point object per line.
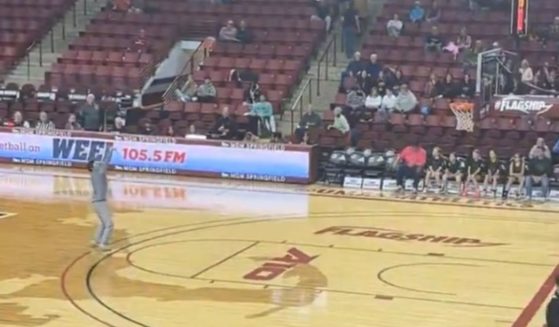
{"type": "Point", "coordinates": [467, 87]}
{"type": "Point", "coordinates": [225, 128]}
{"type": "Point", "coordinates": [90, 116]}
{"type": "Point", "coordinates": [449, 86]}
{"type": "Point", "coordinates": [354, 68]}
{"type": "Point", "coordinates": [310, 119]}
{"type": "Point", "coordinates": [552, 311]}
{"type": "Point", "coordinates": [244, 35]}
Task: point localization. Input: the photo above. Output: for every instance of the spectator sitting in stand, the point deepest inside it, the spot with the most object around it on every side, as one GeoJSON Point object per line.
{"type": "Point", "coordinates": [470, 54]}
{"type": "Point", "coordinates": [544, 77]}
{"type": "Point", "coordinates": [193, 134]}
{"type": "Point", "coordinates": [526, 76]}
{"type": "Point", "coordinates": [388, 103]}
{"type": "Point", "coordinates": [252, 94]}
{"type": "Point", "coordinates": [373, 68]}
{"type": "Point", "coordinates": [225, 128]}
{"type": "Point", "coordinates": [394, 26]}
{"type": "Point", "coordinates": [264, 112]}
{"type": "Point", "coordinates": [417, 13]}
{"type": "Point", "coordinates": [381, 84]}
{"type": "Point", "coordinates": [244, 35]}
{"type": "Point", "coordinates": [340, 122]}
{"type": "Point", "coordinates": [17, 121]}
{"type": "Point", "coordinates": [433, 13]}
{"type": "Point", "coordinates": [406, 100]}
{"type": "Point", "coordinates": [277, 138]}
{"type": "Point", "coordinates": [547, 81]}
{"type": "Point", "coordinates": [434, 87]}
{"type": "Point", "coordinates": [228, 32]}
{"type": "Point", "coordinates": [373, 103]}
{"type": "Point", "coordinates": [120, 123]}
{"type": "Point", "coordinates": [206, 92]}
{"type": "Point", "coordinates": [169, 131]}
{"type": "Point", "coordinates": [355, 99]}
{"type": "Point", "coordinates": [449, 86]}
{"type": "Point", "coordinates": [305, 139]}
{"type": "Point", "coordinates": [467, 88]}
{"type": "Point", "coordinates": [464, 40]}
{"type": "Point", "coordinates": [239, 76]}
{"type": "Point", "coordinates": [44, 123]}
{"type": "Point", "coordinates": [147, 128]}
{"type": "Point", "coordinates": [539, 168]}
{"type": "Point", "coordinates": [188, 92]}
{"type": "Point", "coordinates": [394, 77]}
{"type": "Point", "coordinates": [433, 40]}
{"type": "Point", "coordinates": [309, 120]}
{"type": "Point", "coordinates": [72, 123]}
{"type": "Point", "coordinates": [410, 163]}
{"type": "Point", "coordinates": [140, 44]}
{"type": "Point", "coordinates": [354, 68]}
{"type": "Point", "coordinates": [373, 100]}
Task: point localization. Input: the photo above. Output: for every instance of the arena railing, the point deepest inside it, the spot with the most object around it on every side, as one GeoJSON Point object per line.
{"type": "Point", "coordinates": [188, 69]}
{"type": "Point", "coordinates": [50, 33]}
{"type": "Point", "coordinates": [324, 60]}
{"type": "Point", "coordinates": [298, 102]}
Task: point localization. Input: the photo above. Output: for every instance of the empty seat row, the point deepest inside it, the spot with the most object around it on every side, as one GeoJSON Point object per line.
{"type": "Point", "coordinates": [297, 52]}
{"type": "Point", "coordinates": [449, 30]}
{"type": "Point", "coordinates": [292, 67]}
{"type": "Point", "coordinates": [115, 77]}
{"type": "Point", "coordinates": [35, 3]}
{"type": "Point", "coordinates": [164, 32]}
{"type": "Point", "coordinates": [459, 15]}
{"type": "Point", "coordinates": [174, 18]}
{"type": "Point", "coordinates": [118, 58]}
{"type": "Point", "coordinates": [273, 10]}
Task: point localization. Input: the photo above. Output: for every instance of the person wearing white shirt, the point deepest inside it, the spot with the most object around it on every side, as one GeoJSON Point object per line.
{"type": "Point", "coordinates": [193, 135]}
{"type": "Point", "coordinates": [406, 100]}
{"type": "Point", "coordinates": [374, 100]}
{"type": "Point", "coordinates": [340, 122]}
{"type": "Point", "coordinates": [388, 102]}
{"type": "Point", "coordinates": [394, 26]}
{"type": "Point", "coordinates": [526, 76]}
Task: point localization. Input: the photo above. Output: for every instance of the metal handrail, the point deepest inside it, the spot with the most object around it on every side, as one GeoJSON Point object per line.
{"type": "Point", "coordinates": [299, 102]}
{"type": "Point", "coordinates": [188, 68]}
{"type": "Point", "coordinates": [332, 45]}
{"type": "Point", "coordinates": [28, 52]}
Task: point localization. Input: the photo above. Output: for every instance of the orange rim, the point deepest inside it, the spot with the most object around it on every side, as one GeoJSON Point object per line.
{"type": "Point", "coordinates": [462, 106]}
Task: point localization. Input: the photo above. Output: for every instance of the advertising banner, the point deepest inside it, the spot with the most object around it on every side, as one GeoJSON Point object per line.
{"type": "Point", "coordinates": [516, 105]}
{"type": "Point", "coordinates": [236, 160]}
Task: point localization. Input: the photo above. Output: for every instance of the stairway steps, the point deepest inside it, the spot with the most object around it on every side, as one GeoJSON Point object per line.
{"type": "Point", "coordinates": [37, 72]}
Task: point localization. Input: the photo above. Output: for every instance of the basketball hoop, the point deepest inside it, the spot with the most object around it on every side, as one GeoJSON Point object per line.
{"type": "Point", "coordinates": [464, 112]}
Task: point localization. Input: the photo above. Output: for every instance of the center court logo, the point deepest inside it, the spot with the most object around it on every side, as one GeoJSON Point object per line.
{"type": "Point", "coordinates": [402, 236]}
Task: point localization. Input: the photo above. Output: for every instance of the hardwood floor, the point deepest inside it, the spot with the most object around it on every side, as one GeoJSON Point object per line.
{"type": "Point", "coordinates": [211, 253]}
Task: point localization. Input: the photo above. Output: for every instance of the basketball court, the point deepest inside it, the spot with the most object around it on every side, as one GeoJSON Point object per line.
{"type": "Point", "coordinates": [212, 253]}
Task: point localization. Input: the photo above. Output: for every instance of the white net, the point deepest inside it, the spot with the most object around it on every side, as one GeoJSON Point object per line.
{"type": "Point", "coordinates": [464, 113]}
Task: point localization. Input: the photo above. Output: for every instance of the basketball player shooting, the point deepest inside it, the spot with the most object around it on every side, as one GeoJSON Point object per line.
{"type": "Point", "coordinates": [98, 170]}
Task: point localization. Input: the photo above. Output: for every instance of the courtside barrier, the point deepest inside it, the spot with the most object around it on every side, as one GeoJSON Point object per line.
{"type": "Point", "coordinates": [163, 155]}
